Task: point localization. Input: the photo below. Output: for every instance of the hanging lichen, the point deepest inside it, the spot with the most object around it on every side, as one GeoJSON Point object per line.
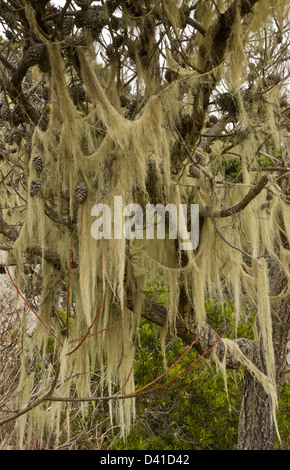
{"type": "Point", "coordinates": [79, 161]}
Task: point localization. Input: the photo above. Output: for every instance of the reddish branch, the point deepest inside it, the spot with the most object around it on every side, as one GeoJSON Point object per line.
{"type": "Point", "coordinates": [98, 332]}
{"type": "Point", "coordinates": [184, 371]}
{"type": "Point", "coordinates": [88, 332]}
{"type": "Point", "coordinates": [137, 393]}
{"type": "Point", "coordinates": [188, 330]}
{"type": "Point", "coordinates": [171, 367]}
{"type": "Point", "coordinates": [117, 396]}
{"type": "Point", "coordinates": [10, 341]}
{"type": "Point", "coordinates": [127, 380]}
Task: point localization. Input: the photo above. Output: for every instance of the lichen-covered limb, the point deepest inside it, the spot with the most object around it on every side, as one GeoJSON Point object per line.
{"type": "Point", "coordinates": [217, 37]}
{"type": "Point", "coordinates": [187, 331]}
{"type": "Point", "coordinates": [36, 250]}
{"type": "Point", "coordinates": [253, 192]}
{"type": "Point", "coordinates": [8, 231]}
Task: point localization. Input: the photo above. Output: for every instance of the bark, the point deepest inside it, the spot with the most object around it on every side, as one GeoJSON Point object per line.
{"type": "Point", "coordinates": [256, 424]}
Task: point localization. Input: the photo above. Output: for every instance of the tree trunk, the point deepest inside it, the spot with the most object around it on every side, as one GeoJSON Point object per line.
{"type": "Point", "coordinates": [256, 424]}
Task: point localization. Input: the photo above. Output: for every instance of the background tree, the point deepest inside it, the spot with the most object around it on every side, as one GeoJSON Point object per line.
{"type": "Point", "coordinates": [157, 102]}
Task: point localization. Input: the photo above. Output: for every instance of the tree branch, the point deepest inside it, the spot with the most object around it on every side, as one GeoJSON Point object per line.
{"type": "Point", "coordinates": [35, 250]}
{"type": "Point", "coordinates": [196, 25]}
{"type": "Point", "coordinates": [253, 192]}
{"type": "Point", "coordinates": [187, 331]}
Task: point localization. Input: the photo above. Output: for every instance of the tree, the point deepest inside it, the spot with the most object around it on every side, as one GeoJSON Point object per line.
{"type": "Point", "coordinates": [146, 103]}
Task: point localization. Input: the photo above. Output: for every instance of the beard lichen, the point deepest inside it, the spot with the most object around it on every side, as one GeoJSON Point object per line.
{"type": "Point", "coordinates": [116, 164]}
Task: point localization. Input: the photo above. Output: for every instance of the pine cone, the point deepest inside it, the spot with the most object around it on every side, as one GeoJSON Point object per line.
{"type": "Point", "coordinates": [44, 65]}
{"type": "Point", "coordinates": [228, 103]}
{"type": "Point", "coordinates": [5, 113]}
{"type": "Point", "coordinates": [37, 163]}
{"type": "Point", "coordinates": [96, 21]}
{"type": "Point", "coordinates": [67, 26]}
{"type": "Point", "coordinates": [81, 192]}
{"type": "Point", "coordinates": [17, 135]}
{"type": "Point", "coordinates": [83, 19]}
{"type": "Point", "coordinates": [111, 51]}
{"type": "Point", "coordinates": [186, 125]}
{"type": "Point", "coordinates": [284, 102]}
{"type": "Point", "coordinates": [34, 54]}
{"type": "Point", "coordinates": [35, 187]}
{"type": "Point", "coordinates": [213, 119]}
{"type": "Point", "coordinates": [18, 116]}
{"type": "Point", "coordinates": [272, 79]}
{"type": "Point", "coordinates": [77, 93]}
{"type": "Point", "coordinates": [200, 158]}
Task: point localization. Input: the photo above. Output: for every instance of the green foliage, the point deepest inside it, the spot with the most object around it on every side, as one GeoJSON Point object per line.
{"type": "Point", "coordinates": [222, 319]}
{"type": "Point", "coordinates": [231, 167]}
{"type": "Point", "coordinates": [193, 412]}
{"type": "Point", "coordinates": [265, 161]}
{"type": "Point", "coordinates": [283, 415]}
{"type": "Point", "coordinates": [157, 290]}
{"type": "Point", "coordinates": [272, 158]}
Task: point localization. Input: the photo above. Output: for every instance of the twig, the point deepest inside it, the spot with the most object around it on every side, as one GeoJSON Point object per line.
{"type": "Point", "coordinates": [272, 168]}
{"type": "Point", "coordinates": [173, 365]}
{"type": "Point", "coordinates": [270, 156]}
{"type": "Point", "coordinates": [230, 244]}
{"type": "Point", "coordinates": [10, 232]}
{"type": "Point", "coordinates": [196, 26]}
{"type": "Point", "coordinates": [184, 371]}
{"type": "Point", "coordinates": [127, 380]}
{"type": "Point", "coordinates": [34, 404]}
{"type": "Point", "coordinates": [136, 393]}
{"type": "Point", "coordinates": [10, 341]}
{"type": "Point", "coordinates": [87, 333]}
{"type": "Point", "coordinates": [189, 153]}
{"type": "Point", "coordinates": [100, 331]}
